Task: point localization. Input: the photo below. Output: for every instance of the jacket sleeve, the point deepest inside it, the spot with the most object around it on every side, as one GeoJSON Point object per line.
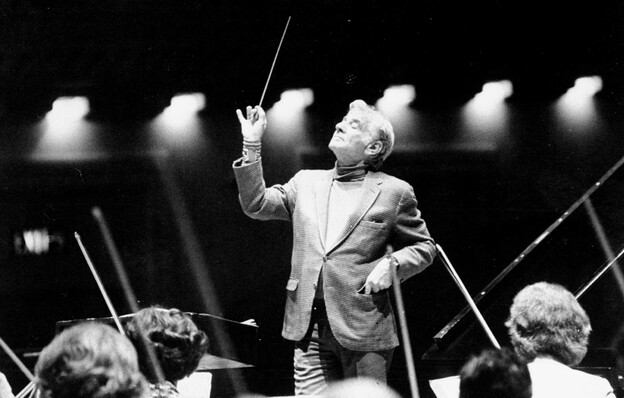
{"type": "Point", "coordinates": [5, 387]}
{"type": "Point", "coordinates": [417, 248]}
{"type": "Point", "coordinates": [259, 202]}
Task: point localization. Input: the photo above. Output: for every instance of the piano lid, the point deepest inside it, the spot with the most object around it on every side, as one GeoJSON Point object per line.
{"type": "Point", "coordinates": [575, 251]}
{"type": "Point", "coordinates": [243, 352]}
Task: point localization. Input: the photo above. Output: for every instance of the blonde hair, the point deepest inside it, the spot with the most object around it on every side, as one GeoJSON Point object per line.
{"type": "Point", "coordinates": [546, 319]}
{"type": "Point", "coordinates": [89, 360]}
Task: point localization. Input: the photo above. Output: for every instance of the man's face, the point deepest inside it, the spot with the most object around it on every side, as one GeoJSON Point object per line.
{"type": "Point", "coordinates": [351, 138]}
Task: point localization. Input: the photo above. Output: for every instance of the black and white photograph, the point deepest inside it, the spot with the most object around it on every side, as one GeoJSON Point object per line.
{"type": "Point", "coordinates": [279, 198]}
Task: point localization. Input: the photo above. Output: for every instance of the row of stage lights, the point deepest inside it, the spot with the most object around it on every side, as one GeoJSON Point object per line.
{"type": "Point", "coordinates": [68, 109]}
{"type": "Point", "coordinates": [183, 106]}
{"type": "Point", "coordinates": [67, 135]}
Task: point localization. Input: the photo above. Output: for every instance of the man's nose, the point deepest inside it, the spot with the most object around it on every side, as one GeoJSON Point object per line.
{"type": "Point", "coordinates": [339, 127]}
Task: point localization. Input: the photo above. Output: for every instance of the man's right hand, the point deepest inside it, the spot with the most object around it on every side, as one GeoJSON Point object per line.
{"type": "Point", "coordinates": [252, 126]}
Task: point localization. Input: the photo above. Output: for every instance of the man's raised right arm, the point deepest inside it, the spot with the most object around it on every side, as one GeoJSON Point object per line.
{"type": "Point", "coordinates": [256, 200]}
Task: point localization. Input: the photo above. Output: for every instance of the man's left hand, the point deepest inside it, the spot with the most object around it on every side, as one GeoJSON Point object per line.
{"type": "Point", "coordinates": [380, 277]}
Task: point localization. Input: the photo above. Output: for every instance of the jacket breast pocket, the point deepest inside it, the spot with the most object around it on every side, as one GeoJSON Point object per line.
{"type": "Point", "coordinates": [368, 236]}
{"type": "Point", "coordinates": [372, 225]}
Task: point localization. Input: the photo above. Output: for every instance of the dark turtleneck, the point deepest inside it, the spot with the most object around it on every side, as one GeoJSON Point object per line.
{"type": "Point", "coordinates": [350, 173]}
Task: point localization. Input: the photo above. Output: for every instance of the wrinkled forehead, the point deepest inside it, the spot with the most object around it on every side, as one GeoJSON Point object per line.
{"type": "Point", "coordinates": [369, 120]}
{"type": "Point", "coordinates": [358, 114]}
{"type": "Point", "coordinates": [365, 117]}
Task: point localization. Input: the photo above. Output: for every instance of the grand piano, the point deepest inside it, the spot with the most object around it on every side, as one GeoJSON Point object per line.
{"type": "Point", "coordinates": [582, 250]}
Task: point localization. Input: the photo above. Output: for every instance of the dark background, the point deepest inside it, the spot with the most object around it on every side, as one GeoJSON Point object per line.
{"type": "Point", "coordinates": [172, 207]}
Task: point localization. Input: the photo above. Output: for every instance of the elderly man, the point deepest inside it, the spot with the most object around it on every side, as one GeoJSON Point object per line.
{"type": "Point", "coordinates": [338, 310]}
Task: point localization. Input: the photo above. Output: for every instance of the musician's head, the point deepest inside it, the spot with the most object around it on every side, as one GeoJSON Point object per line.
{"type": "Point", "coordinates": [363, 135]}
{"type": "Point", "coordinates": [493, 374]}
{"type": "Point", "coordinates": [89, 360]}
{"type": "Point", "coordinates": [546, 320]}
{"type": "Point", "coordinates": [174, 338]}
{"type": "Point", "coordinates": [361, 387]}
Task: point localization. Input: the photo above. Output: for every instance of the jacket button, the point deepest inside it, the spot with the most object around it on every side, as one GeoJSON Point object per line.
{"type": "Point", "coordinates": [324, 259]}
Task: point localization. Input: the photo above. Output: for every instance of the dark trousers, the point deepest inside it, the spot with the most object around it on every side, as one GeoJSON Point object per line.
{"type": "Point", "coordinates": [319, 359]}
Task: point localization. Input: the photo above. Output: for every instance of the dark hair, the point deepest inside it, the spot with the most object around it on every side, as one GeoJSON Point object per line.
{"type": "Point", "coordinates": [495, 374]}
{"type": "Point", "coordinates": [546, 319]}
{"type": "Point", "coordinates": [89, 360]}
{"type": "Point", "coordinates": [177, 342]}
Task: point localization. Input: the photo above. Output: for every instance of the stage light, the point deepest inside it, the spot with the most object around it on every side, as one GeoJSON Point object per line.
{"type": "Point", "coordinates": [587, 86]}
{"type": "Point", "coordinates": [495, 92]}
{"type": "Point", "coordinates": [488, 101]}
{"type": "Point", "coordinates": [38, 241]}
{"type": "Point", "coordinates": [68, 109]}
{"type": "Point", "coordinates": [178, 124]}
{"type": "Point", "coordinates": [395, 106]}
{"type": "Point", "coordinates": [294, 100]}
{"type": "Point", "coordinates": [184, 106]}
{"type": "Point", "coordinates": [576, 108]}
{"type": "Point", "coordinates": [583, 90]}
{"type": "Point", "coordinates": [65, 134]}
{"type": "Point", "coordinates": [396, 97]}
{"type": "Point", "coordinates": [288, 120]}
{"type": "Point", "coordinates": [486, 115]}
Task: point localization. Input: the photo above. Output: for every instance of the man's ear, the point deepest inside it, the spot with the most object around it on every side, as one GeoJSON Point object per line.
{"type": "Point", "coordinates": [374, 148]}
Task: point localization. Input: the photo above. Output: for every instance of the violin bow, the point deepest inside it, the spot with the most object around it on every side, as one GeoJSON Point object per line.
{"type": "Point", "coordinates": [94, 272]}
{"type": "Point", "coordinates": [30, 387]}
{"type": "Point", "coordinates": [127, 287]}
{"type": "Point", "coordinates": [460, 284]}
{"type": "Point", "coordinates": [407, 346]}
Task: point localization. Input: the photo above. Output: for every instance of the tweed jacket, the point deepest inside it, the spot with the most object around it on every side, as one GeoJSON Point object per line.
{"type": "Point", "coordinates": [387, 213]}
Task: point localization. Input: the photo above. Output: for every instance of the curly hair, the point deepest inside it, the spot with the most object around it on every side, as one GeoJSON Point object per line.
{"type": "Point", "coordinates": [89, 360]}
{"type": "Point", "coordinates": [178, 343]}
{"type": "Point", "coordinates": [493, 374]}
{"type": "Point", "coordinates": [380, 127]}
{"type": "Point", "coordinates": [546, 319]}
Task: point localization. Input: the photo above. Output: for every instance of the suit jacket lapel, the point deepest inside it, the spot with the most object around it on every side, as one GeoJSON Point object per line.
{"type": "Point", "coordinates": [370, 191]}
{"type": "Point", "coordinates": [322, 202]}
